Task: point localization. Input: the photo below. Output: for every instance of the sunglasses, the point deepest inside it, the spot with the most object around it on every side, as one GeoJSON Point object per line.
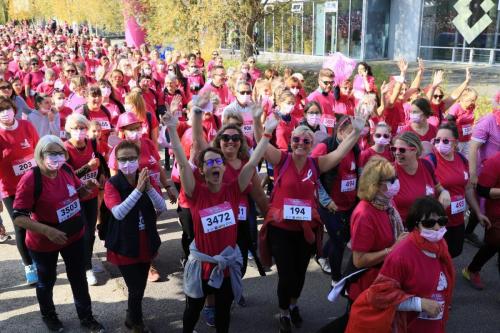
{"type": "Point", "coordinates": [127, 159]}
{"type": "Point", "coordinates": [328, 83]}
{"type": "Point", "coordinates": [246, 92]}
{"type": "Point", "coordinates": [5, 88]}
{"type": "Point", "coordinates": [402, 150]}
{"type": "Point", "coordinates": [227, 137]}
{"type": "Point", "coordinates": [70, 71]}
{"type": "Point", "coordinates": [297, 139]}
{"type": "Point", "coordinates": [214, 161]}
{"type": "Point", "coordinates": [378, 136]}
{"type": "Point", "coordinates": [438, 96]}
{"type": "Point", "coordinates": [389, 180]}
{"type": "Point", "coordinates": [445, 140]}
{"type": "Point", "coordinates": [215, 54]}
{"type": "Point", "coordinates": [429, 223]}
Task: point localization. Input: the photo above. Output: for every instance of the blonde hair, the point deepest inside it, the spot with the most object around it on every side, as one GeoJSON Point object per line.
{"type": "Point", "coordinates": [42, 144]}
{"type": "Point", "coordinates": [412, 140]}
{"type": "Point", "coordinates": [376, 170]}
{"type": "Point", "coordinates": [79, 81]}
{"type": "Point", "coordinates": [303, 130]}
{"type": "Point", "coordinates": [232, 114]}
{"type": "Point", "coordinates": [135, 99]}
{"type": "Point", "coordinates": [75, 119]}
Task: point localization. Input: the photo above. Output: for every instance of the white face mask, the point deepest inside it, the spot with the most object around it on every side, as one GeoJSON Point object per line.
{"type": "Point", "coordinates": [54, 162]}
{"type": "Point", "coordinates": [244, 99]}
{"type": "Point", "coordinates": [58, 103]}
{"type": "Point", "coordinates": [382, 141]}
{"type": "Point", "coordinates": [294, 91]}
{"type": "Point", "coordinates": [286, 109]}
{"type": "Point", "coordinates": [132, 135]}
{"type": "Point", "coordinates": [433, 236]}
{"type": "Point", "coordinates": [79, 134]}
{"type": "Point", "coordinates": [128, 167]}
{"type": "Point", "coordinates": [313, 119]}
{"type": "Point", "coordinates": [415, 117]}
{"type": "Point", "coordinates": [128, 108]}
{"type": "Point", "coordinates": [244, 70]}
{"type": "Point", "coordinates": [392, 189]}
{"type": "Point", "coordinates": [147, 71]}
{"type": "Point", "coordinates": [7, 116]}
{"type": "Point", "coordinates": [106, 91]}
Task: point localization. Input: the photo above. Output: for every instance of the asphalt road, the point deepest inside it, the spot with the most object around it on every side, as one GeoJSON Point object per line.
{"type": "Point", "coordinates": [473, 311]}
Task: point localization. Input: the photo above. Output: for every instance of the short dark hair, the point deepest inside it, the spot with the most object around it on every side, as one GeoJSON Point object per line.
{"type": "Point", "coordinates": [94, 90]}
{"type": "Point", "coordinates": [424, 105]}
{"type": "Point", "coordinates": [6, 103]}
{"type": "Point", "coordinates": [127, 145]}
{"type": "Point", "coordinates": [311, 104]}
{"type": "Point", "coordinates": [201, 156]}
{"type": "Point", "coordinates": [423, 208]}
{"type": "Point", "coordinates": [450, 125]}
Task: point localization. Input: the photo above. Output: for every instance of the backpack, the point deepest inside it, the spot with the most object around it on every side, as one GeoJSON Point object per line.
{"type": "Point", "coordinates": [327, 177]}
{"type": "Point", "coordinates": [103, 165]}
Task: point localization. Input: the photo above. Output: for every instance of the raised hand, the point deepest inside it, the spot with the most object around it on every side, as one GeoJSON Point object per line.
{"type": "Point", "coordinates": [438, 78]}
{"type": "Point", "coordinates": [142, 180]}
{"type": "Point", "coordinates": [271, 123]}
{"type": "Point", "coordinates": [176, 103]}
{"type": "Point", "coordinates": [468, 75]}
{"type": "Point", "coordinates": [384, 88]}
{"type": "Point", "coordinates": [257, 109]}
{"type": "Point", "coordinates": [403, 65]}
{"type": "Point", "coordinates": [170, 120]}
{"type": "Point", "coordinates": [421, 66]}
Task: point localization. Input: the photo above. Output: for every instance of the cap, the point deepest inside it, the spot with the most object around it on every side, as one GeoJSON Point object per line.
{"type": "Point", "coordinates": [127, 118]}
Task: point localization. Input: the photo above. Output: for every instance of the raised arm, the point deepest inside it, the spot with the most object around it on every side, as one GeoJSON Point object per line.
{"type": "Point", "coordinates": [448, 101]}
{"type": "Point", "coordinates": [384, 89]}
{"type": "Point", "coordinates": [437, 79]}
{"type": "Point", "coordinates": [272, 154]}
{"type": "Point", "coordinates": [199, 142]}
{"type": "Point", "coordinates": [420, 72]}
{"type": "Point", "coordinates": [403, 67]}
{"type": "Point", "coordinates": [363, 111]}
{"type": "Point", "coordinates": [247, 171]}
{"type": "Point", "coordinates": [185, 171]}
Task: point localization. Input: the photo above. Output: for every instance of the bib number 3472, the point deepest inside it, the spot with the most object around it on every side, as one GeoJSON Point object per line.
{"type": "Point", "coordinates": [297, 210]}
{"type": "Point", "coordinates": [217, 217]}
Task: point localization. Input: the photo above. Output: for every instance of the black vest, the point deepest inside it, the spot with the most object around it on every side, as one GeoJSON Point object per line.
{"type": "Point", "coordinates": [123, 235]}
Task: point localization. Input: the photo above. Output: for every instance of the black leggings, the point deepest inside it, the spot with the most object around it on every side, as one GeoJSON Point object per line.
{"type": "Point", "coordinates": [187, 229]}
{"type": "Point", "coordinates": [473, 222]}
{"type": "Point", "coordinates": [223, 300]}
{"type": "Point", "coordinates": [244, 242]}
{"type": "Point", "coordinates": [19, 232]}
{"type": "Point", "coordinates": [89, 215]}
{"type": "Point", "coordinates": [136, 277]}
{"type": "Point", "coordinates": [454, 237]}
{"type": "Point", "coordinates": [483, 255]}
{"type": "Point", "coordinates": [291, 253]}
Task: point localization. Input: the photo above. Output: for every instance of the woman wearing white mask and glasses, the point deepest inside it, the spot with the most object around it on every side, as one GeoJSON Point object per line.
{"type": "Point", "coordinates": [48, 206]}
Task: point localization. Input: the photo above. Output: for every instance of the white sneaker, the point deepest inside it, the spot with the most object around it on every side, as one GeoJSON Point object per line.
{"type": "Point", "coordinates": [91, 279]}
{"type": "Point", "coordinates": [325, 265]}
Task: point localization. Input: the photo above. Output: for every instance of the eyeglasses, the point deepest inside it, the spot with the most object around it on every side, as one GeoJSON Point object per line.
{"type": "Point", "coordinates": [246, 92]}
{"type": "Point", "coordinates": [70, 71]}
{"type": "Point", "coordinates": [445, 140]}
{"type": "Point", "coordinates": [227, 137]}
{"type": "Point", "coordinates": [402, 150]}
{"type": "Point", "coordinates": [198, 53]}
{"type": "Point", "coordinates": [389, 180]}
{"type": "Point", "coordinates": [34, 64]}
{"type": "Point", "coordinates": [297, 139]}
{"type": "Point", "coordinates": [438, 96]}
{"type": "Point", "coordinates": [378, 136]}
{"type": "Point", "coordinates": [58, 60]}
{"type": "Point", "coordinates": [215, 54]}
{"type": "Point", "coordinates": [328, 83]}
{"type": "Point", "coordinates": [214, 161]}
{"type": "Point", "coordinates": [127, 159]}
{"type": "Point", "coordinates": [5, 88]}
{"type": "Point", "coordinates": [53, 153]}
{"type": "Point", "coordinates": [429, 223]}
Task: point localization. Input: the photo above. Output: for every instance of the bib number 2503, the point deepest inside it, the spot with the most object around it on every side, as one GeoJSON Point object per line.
{"type": "Point", "coordinates": [217, 217]}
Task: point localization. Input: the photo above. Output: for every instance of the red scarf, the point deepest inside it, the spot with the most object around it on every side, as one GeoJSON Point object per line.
{"type": "Point", "coordinates": [375, 310]}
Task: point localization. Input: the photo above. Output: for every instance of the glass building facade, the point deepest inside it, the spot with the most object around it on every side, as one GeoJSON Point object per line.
{"type": "Point", "coordinates": [384, 29]}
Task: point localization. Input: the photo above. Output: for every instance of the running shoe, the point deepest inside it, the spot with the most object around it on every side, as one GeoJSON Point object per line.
{"type": "Point", "coordinates": [92, 325]}
{"type": "Point", "coordinates": [153, 275]}
{"type": "Point", "coordinates": [325, 265]}
{"type": "Point", "coordinates": [31, 274]}
{"type": "Point", "coordinates": [474, 278]}
{"type": "Point", "coordinates": [91, 279]}
{"type": "Point", "coordinates": [285, 325]}
{"type": "Point", "coordinates": [209, 315]}
{"type": "Point", "coordinates": [52, 322]}
{"type": "Point", "coordinates": [295, 317]}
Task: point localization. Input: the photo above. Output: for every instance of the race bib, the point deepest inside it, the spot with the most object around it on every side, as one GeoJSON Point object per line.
{"type": "Point", "coordinates": [297, 210]}
{"type": "Point", "coordinates": [348, 184]}
{"type": "Point", "coordinates": [457, 205]}
{"type": "Point", "coordinates": [328, 120]}
{"type": "Point", "coordinates": [247, 129]}
{"type": "Point", "coordinates": [21, 167]}
{"type": "Point", "coordinates": [467, 130]}
{"type": "Point", "coordinates": [217, 217]}
{"type": "Point", "coordinates": [400, 128]}
{"type": "Point", "coordinates": [62, 134]}
{"type": "Point", "coordinates": [89, 175]}
{"type": "Point", "coordinates": [242, 212]}
{"type": "Point", "coordinates": [105, 125]}
{"type": "Point", "coordinates": [438, 297]}
{"type": "Point", "coordinates": [68, 211]}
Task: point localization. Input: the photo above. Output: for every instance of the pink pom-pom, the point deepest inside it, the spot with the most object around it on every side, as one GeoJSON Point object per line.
{"type": "Point", "coordinates": [341, 65]}
{"type": "Point", "coordinates": [496, 100]}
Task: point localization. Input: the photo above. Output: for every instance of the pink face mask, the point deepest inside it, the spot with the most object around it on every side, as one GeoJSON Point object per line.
{"type": "Point", "coordinates": [382, 141]}
{"type": "Point", "coordinates": [443, 148]}
{"type": "Point", "coordinates": [433, 236]}
{"type": "Point", "coordinates": [132, 135]}
{"type": "Point", "coordinates": [128, 167]}
{"type": "Point", "coordinates": [392, 189]}
{"type": "Point", "coordinates": [54, 162]}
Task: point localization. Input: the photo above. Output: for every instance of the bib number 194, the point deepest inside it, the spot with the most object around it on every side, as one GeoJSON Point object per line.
{"type": "Point", "coordinates": [297, 210]}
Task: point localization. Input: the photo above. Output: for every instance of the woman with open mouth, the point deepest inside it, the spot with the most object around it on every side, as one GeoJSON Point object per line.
{"type": "Point", "coordinates": [214, 207]}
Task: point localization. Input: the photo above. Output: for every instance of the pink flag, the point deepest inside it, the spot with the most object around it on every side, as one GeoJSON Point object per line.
{"type": "Point", "coordinates": [341, 65]}
{"type": "Point", "coordinates": [135, 35]}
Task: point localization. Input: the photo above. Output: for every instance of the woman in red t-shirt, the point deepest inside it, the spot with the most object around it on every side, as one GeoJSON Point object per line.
{"type": "Point", "coordinates": [134, 102]}
{"type": "Point", "coordinates": [214, 222]}
{"type": "Point", "coordinates": [463, 114]}
{"type": "Point", "coordinates": [419, 114]}
{"type": "Point", "coordinates": [94, 110]}
{"type": "Point", "coordinates": [382, 139]}
{"type": "Point", "coordinates": [84, 159]}
{"type": "Point", "coordinates": [414, 288]}
{"type": "Point", "coordinates": [47, 205]}
{"type": "Point", "coordinates": [416, 175]}
{"type": "Point", "coordinates": [18, 139]}
{"type": "Point", "coordinates": [286, 104]}
{"type": "Point", "coordinates": [132, 237]}
{"type": "Point", "coordinates": [452, 171]}
{"type": "Point", "coordinates": [292, 229]}
{"type": "Point", "coordinates": [376, 226]}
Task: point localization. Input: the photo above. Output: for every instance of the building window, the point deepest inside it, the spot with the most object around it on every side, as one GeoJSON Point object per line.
{"type": "Point", "coordinates": [377, 29]}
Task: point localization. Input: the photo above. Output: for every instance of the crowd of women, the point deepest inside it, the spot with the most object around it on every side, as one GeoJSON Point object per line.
{"type": "Point", "coordinates": [391, 172]}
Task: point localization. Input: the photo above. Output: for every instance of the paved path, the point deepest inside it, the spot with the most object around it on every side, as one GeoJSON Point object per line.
{"type": "Point", "coordinates": [473, 311]}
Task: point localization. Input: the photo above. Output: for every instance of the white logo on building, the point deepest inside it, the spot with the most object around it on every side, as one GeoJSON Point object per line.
{"type": "Point", "coordinates": [464, 13]}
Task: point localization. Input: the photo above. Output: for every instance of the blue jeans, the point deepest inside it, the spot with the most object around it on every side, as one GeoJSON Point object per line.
{"type": "Point", "coordinates": [338, 226]}
{"type": "Point", "coordinates": [46, 264]}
